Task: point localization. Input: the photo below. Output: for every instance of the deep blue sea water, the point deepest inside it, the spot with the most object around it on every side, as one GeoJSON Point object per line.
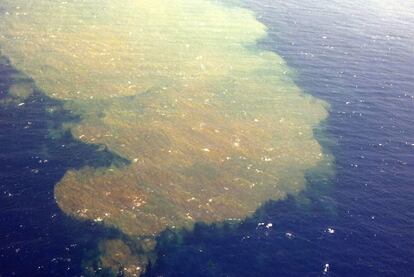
{"type": "Point", "coordinates": [356, 55]}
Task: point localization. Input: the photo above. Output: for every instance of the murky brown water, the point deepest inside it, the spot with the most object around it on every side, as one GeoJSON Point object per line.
{"type": "Point", "coordinates": [212, 125]}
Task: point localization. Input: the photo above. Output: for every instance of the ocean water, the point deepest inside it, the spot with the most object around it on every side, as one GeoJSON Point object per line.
{"type": "Point", "coordinates": [356, 55]}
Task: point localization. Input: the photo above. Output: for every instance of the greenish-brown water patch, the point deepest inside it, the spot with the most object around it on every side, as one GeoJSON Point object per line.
{"type": "Point", "coordinates": [212, 125]}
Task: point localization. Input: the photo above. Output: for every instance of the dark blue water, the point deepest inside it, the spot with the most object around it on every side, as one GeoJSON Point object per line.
{"type": "Point", "coordinates": [359, 57]}
{"type": "Point", "coordinates": [36, 238]}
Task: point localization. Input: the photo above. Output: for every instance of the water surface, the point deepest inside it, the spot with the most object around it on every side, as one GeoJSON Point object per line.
{"type": "Point", "coordinates": [208, 124]}
{"type": "Point", "coordinates": [357, 56]}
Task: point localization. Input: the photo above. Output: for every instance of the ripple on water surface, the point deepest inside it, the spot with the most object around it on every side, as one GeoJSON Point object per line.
{"type": "Point", "coordinates": [211, 124]}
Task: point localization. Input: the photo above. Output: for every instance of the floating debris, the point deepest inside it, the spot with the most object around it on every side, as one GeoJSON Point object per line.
{"type": "Point", "coordinates": [330, 230]}
{"type": "Point", "coordinates": [132, 103]}
{"type": "Point", "coordinates": [325, 268]}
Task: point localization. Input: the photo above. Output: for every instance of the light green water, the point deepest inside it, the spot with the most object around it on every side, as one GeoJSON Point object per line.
{"type": "Point", "coordinates": [213, 126]}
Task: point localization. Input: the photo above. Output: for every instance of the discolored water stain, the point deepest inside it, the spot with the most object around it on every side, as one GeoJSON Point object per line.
{"type": "Point", "coordinates": [211, 125]}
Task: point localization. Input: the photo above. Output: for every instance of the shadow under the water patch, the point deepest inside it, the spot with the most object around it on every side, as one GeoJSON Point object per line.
{"type": "Point", "coordinates": [289, 237]}
{"type": "Point", "coordinates": [36, 238]}
{"type": "Point", "coordinates": [283, 238]}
